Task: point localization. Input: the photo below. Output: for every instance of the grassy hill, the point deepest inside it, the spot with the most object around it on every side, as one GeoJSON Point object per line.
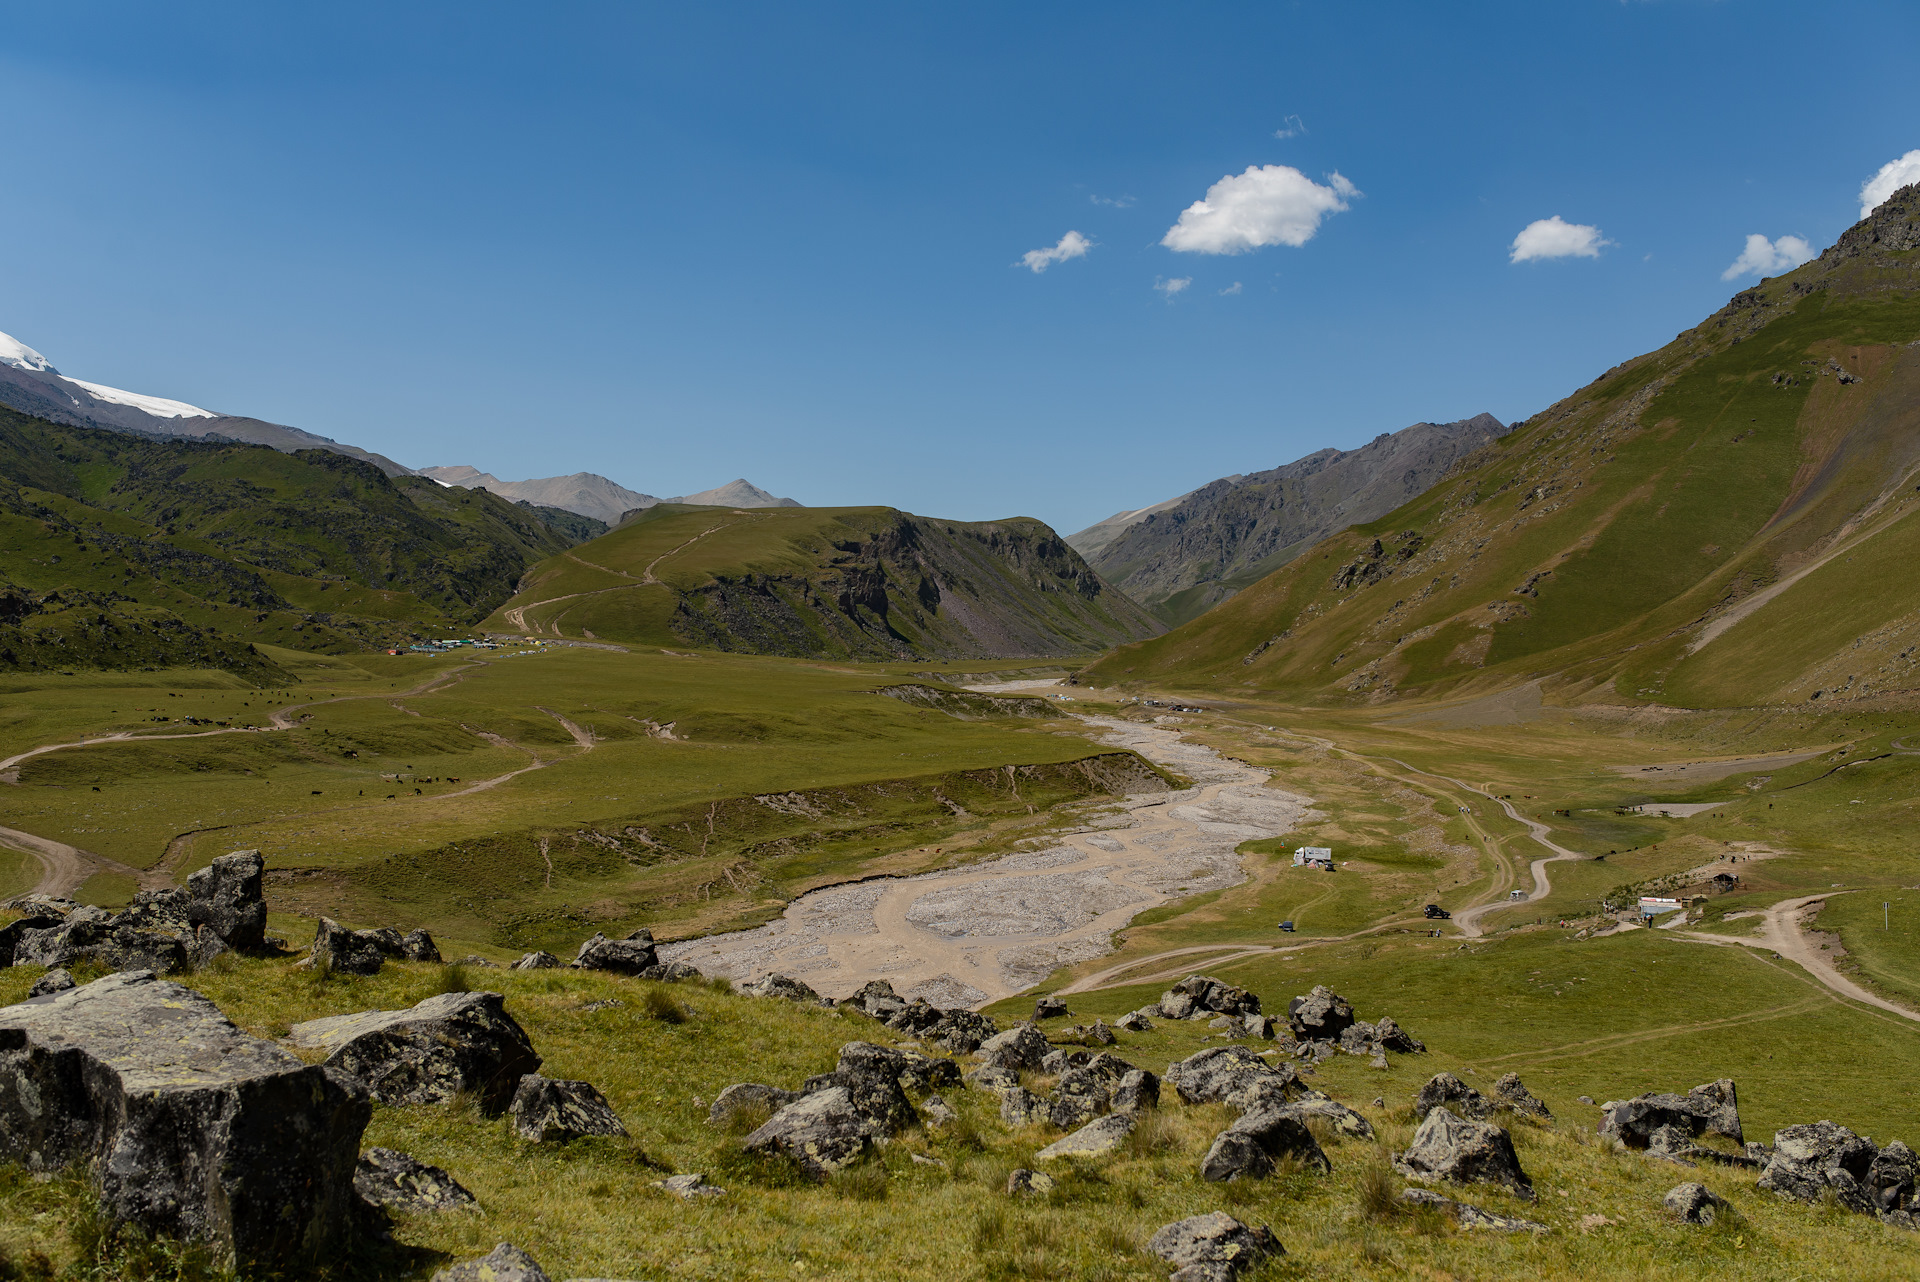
{"type": "Point", "coordinates": [1717, 523]}
{"type": "Point", "coordinates": [828, 582]}
{"type": "Point", "coordinates": [313, 550]}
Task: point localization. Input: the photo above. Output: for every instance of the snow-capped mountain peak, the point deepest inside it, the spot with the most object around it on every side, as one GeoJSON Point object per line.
{"type": "Point", "coordinates": [17, 354]}
{"type": "Point", "coordinates": [158, 406]}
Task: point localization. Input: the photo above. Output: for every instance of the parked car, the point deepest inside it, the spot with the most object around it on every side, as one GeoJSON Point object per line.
{"type": "Point", "coordinates": [1435, 912]}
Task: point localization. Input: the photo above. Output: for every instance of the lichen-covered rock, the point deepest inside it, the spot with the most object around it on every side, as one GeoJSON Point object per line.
{"type": "Point", "coordinates": [1342, 1118]}
{"type": "Point", "coordinates": [877, 1000]}
{"type": "Point", "coordinates": [84, 937]}
{"type": "Point", "coordinates": [873, 1078]}
{"type": "Point", "coordinates": [1134, 1022]}
{"type": "Point", "coordinates": [429, 1053]}
{"type": "Point", "coordinates": [1893, 1181]}
{"type": "Point", "coordinates": [671, 973]}
{"type": "Point", "coordinates": [1463, 1151]}
{"type": "Point", "coordinates": [1818, 1156]}
{"type": "Point", "coordinates": [1216, 995]}
{"type": "Point", "coordinates": [1102, 1135]}
{"type": "Point", "coordinates": [54, 981]}
{"type": "Point", "coordinates": [168, 909]}
{"type": "Point", "coordinates": [1213, 1247]}
{"type": "Point", "coordinates": [1050, 1008]}
{"type": "Point", "coordinates": [1250, 1147]}
{"type": "Point", "coordinates": [937, 1111]}
{"type": "Point", "coordinates": [1079, 1096]}
{"type": "Point", "coordinates": [539, 960]}
{"type": "Point", "coordinates": [1021, 1107]}
{"type": "Point", "coordinates": [399, 1182]}
{"type": "Point", "coordinates": [190, 1127]}
{"type": "Point", "coordinates": [956, 1031]}
{"type": "Point", "coordinates": [773, 985]}
{"type": "Point", "coordinates": [1136, 1091]}
{"type": "Point", "coordinates": [821, 1133]}
{"type": "Point", "coordinates": [628, 956]}
{"type": "Point", "coordinates": [1469, 1217]}
{"type": "Point", "coordinates": [1217, 1072]}
{"type": "Point", "coordinates": [1322, 1015]}
{"type": "Point", "coordinates": [912, 1069]}
{"type": "Point", "coordinates": [1020, 1047]}
{"type": "Point", "coordinates": [505, 1263]}
{"type": "Point", "coordinates": [1693, 1203]}
{"type": "Point", "coordinates": [227, 897]}
{"type": "Point", "coordinates": [1175, 1005]}
{"type": "Point", "coordinates": [1511, 1094]}
{"type": "Point", "coordinates": [1444, 1090]}
{"type": "Point", "coordinates": [742, 1096]}
{"type": "Point", "coordinates": [1029, 1183]}
{"type": "Point", "coordinates": [346, 952]}
{"type": "Point", "coordinates": [1388, 1035]}
{"type": "Point", "coordinates": [688, 1187]}
{"type": "Point", "coordinates": [549, 1111]}
{"type": "Point", "coordinates": [1713, 1108]}
{"type": "Point", "coordinates": [418, 946]}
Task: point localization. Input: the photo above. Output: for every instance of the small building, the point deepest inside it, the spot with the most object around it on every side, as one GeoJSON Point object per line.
{"type": "Point", "coordinates": [1654, 906]}
{"type": "Point", "coordinates": [1320, 857]}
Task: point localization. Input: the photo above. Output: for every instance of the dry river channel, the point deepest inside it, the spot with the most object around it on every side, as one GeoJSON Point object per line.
{"type": "Point", "coordinates": [966, 936]}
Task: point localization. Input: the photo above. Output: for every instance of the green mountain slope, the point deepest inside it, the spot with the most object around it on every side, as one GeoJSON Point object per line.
{"type": "Point", "coordinates": [312, 550]}
{"type": "Point", "coordinates": [1721, 522]}
{"type": "Point", "coordinates": [829, 582]}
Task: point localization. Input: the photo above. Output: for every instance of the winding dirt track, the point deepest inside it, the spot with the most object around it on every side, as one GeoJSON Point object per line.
{"type": "Point", "coordinates": [517, 616]}
{"type": "Point", "coordinates": [1780, 932]}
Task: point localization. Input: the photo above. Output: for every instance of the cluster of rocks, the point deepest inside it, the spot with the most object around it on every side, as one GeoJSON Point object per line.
{"type": "Point", "coordinates": [162, 931]}
{"type": "Point", "coordinates": [957, 1031]}
{"type": "Point", "coordinates": [1444, 1090]}
{"type": "Point", "coordinates": [340, 951]}
{"type": "Point", "coordinates": [1319, 1024]}
{"type": "Point", "coordinates": [634, 956]}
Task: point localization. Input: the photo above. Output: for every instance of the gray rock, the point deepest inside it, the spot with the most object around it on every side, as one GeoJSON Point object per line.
{"type": "Point", "coordinates": [1893, 1179]}
{"type": "Point", "coordinates": [1712, 1108]}
{"type": "Point", "coordinates": [1511, 1094]}
{"type": "Point", "coordinates": [912, 1070]}
{"type": "Point", "coordinates": [1343, 1119]}
{"type": "Point", "coordinates": [772, 985]}
{"type": "Point", "coordinates": [391, 943]}
{"type": "Point", "coordinates": [1444, 1090]}
{"type": "Point", "coordinates": [475, 959]}
{"type": "Point", "coordinates": [628, 956]}
{"type": "Point", "coordinates": [541, 960]}
{"type": "Point", "coordinates": [1463, 1151]}
{"type": "Point", "coordinates": [505, 1263]}
{"type": "Point", "coordinates": [1020, 1047]}
{"type": "Point", "coordinates": [227, 897]}
{"type": "Point", "coordinates": [550, 1111]}
{"type": "Point", "coordinates": [92, 937]}
{"type": "Point", "coordinates": [429, 1053]}
{"type": "Point", "coordinates": [190, 1128]}
{"type": "Point", "coordinates": [1390, 1036]}
{"type": "Point", "coordinates": [1021, 1107]}
{"type": "Point", "coordinates": [1322, 1015]}
{"type": "Point", "coordinates": [820, 1133]}
{"type": "Point", "coordinates": [1821, 1155]}
{"type": "Point", "coordinates": [418, 946]}
{"type": "Point", "coordinates": [1274, 1090]}
{"type": "Point", "coordinates": [1218, 1072]}
{"type": "Point", "coordinates": [1218, 996]}
{"type": "Point", "coordinates": [1671, 1143]}
{"type": "Point", "coordinates": [54, 981]}
{"type": "Point", "coordinates": [688, 1187]}
{"type": "Point", "coordinates": [401, 1183]}
{"type": "Point", "coordinates": [169, 909]}
{"type": "Point", "coordinates": [1079, 1096]}
{"type": "Point", "coordinates": [1213, 1247]}
{"type": "Point", "coordinates": [1100, 1035]}
{"type": "Point", "coordinates": [1029, 1183]}
{"type": "Point", "coordinates": [1136, 1091]}
{"type": "Point", "coordinates": [1694, 1203]}
{"type": "Point", "coordinates": [992, 1077]}
{"type": "Point", "coordinates": [1250, 1147]}
{"type": "Point", "coordinates": [1469, 1217]}
{"type": "Point", "coordinates": [746, 1095]}
{"type": "Point", "coordinates": [346, 952]}
{"type": "Point", "coordinates": [672, 973]}
{"type": "Point", "coordinates": [1134, 1022]}
{"type": "Point", "coordinates": [1175, 1005]}
{"type": "Point", "coordinates": [1050, 1008]}
{"type": "Point", "coordinates": [938, 1111]}
{"type": "Point", "coordinates": [1102, 1135]}
{"type": "Point", "coordinates": [877, 1000]}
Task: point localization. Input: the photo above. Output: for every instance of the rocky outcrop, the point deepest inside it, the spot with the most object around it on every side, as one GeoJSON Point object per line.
{"type": "Point", "coordinates": [1322, 1015]}
{"type": "Point", "coordinates": [1218, 1072]}
{"type": "Point", "coordinates": [399, 1182]}
{"type": "Point", "coordinates": [1050, 1008]}
{"type": "Point", "coordinates": [1213, 1247]}
{"type": "Point", "coordinates": [1710, 1109]}
{"type": "Point", "coordinates": [95, 936]}
{"type": "Point", "coordinates": [1202, 997]}
{"type": "Point", "coordinates": [629, 956]}
{"type": "Point", "coordinates": [1102, 1135]}
{"type": "Point", "coordinates": [744, 1096]}
{"type": "Point", "coordinates": [1019, 1048]}
{"type": "Point", "coordinates": [1469, 1217]}
{"type": "Point", "coordinates": [1253, 1145]}
{"type": "Point", "coordinates": [1362, 1038]}
{"type": "Point", "coordinates": [1511, 1094]}
{"type": "Point", "coordinates": [1462, 1151]}
{"type": "Point", "coordinates": [773, 985]}
{"type": "Point", "coordinates": [418, 946]}
{"type": "Point", "coordinates": [1808, 1160]}
{"type": "Point", "coordinates": [956, 1031]}
{"type": "Point", "coordinates": [839, 1115]}
{"type": "Point", "coordinates": [505, 1263]}
{"type": "Point", "coordinates": [227, 898]}
{"type": "Point", "coordinates": [549, 1111]}
{"type": "Point", "coordinates": [539, 960]}
{"type": "Point", "coordinates": [346, 952]}
{"type": "Point", "coordinates": [820, 1133]}
{"type": "Point", "coordinates": [191, 1128]}
{"type": "Point", "coordinates": [429, 1053]}
{"type": "Point", "coordinates": [1693, 1203]}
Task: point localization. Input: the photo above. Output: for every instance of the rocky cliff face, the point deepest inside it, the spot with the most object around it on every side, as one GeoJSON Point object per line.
{"type": "Point", "coordinates": [1182, 561]}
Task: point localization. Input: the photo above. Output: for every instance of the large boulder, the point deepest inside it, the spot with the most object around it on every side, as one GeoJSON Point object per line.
{"type": "Point", "coordinates": [92, 936]}
{"type": "Point", "coordinates": [876, 1000]}
{"type": "Point", "coordinates": [1893, 1181]}
{"type": "Point", "coordinates": [782, 986]}
{"type": "Point", "coordinates": [1444, 1090]}
{"type": "Point", "coordinates": [1322, 1015]}
{"type": "Point", "coordinates": [190, 1128]}
{"type": "Point", "coordinates": [1213, 1247]}
{"type": "Point", "coordinates": [1463, 1151]}
{"type": "Point", "coordinates": [505, 1263]}
{"type": "Point", "coordinates": [1102, 1135]}
{"type": "Point", "coordinates": [1511, 1094]}
{"type": "Point", "coordinates": [820, 1133]}
{"type": "Point", "coordinates": [1712, 1108]}
{"type": "Point", "coordinates": [400, 1182]}
{"type": "Point", "coordinates": [346, 952]}
{"type": "Point", "coordinates": [876, 1079]}
{"type": "Point", "coordinates": [1693, 1203]}
{"type": "Point", "coordinates": [1050, 1008]}
{"type": "Point", "coordinates": [628, 956]}
{"type": "Point", "coordinates": [1250, 1147]}
{"type": "Point", "coordinates": [1810, 1159]}
{"type": "Point", "coordinates": [429, 1053]}
{"type": "Point", "coordinates": [1135, 1092]}
{"type": "Point", "coordinates": [1218, 1072]}
{"type": "Point", "coordinates": [1020, 1047]}
{"type": "Point", "coordinates": [548, 1111]}
{"type": "Point", "coordinates": [744, 1096]}
{"type": "Point", "coordinates": [227, 898]}
{"type": "Point", "coordinates": [418, 946]}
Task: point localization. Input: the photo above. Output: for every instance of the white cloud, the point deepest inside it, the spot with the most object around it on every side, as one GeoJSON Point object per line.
{"type": "Point", "coordinates": [1173, 286]}
{"type": "Point", "coordinates": [1231, 289]}
{"type": "Point", "coordinates": [1116, 202]}
{"type": "Point", "coordinates": [1267, 205]}
{"type": "Point", "coordinates": [1072, 245]}
{"type": "Point", "coordinates": [1893, 175]}
{"type": "Point", "coordinates": [1762, 257]}
{"type": "Point", "coordinates": [1555, 238]}
{"type": "Point", "coordinates": [1292, 127]}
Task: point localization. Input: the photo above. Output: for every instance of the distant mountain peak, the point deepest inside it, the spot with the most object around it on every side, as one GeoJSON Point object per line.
{"type": "Point", "coordinates": [17, 354]}
{"type": "Point", "coordinates": [738, 492]}
{"type": "Point", "coordinates": [585, 493]}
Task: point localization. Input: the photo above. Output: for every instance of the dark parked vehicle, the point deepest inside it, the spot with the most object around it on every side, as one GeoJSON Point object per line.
{"type": "Point", "coordinates": [1436, 913]}
{"type": "Point", "coordinates": [1287, 926]}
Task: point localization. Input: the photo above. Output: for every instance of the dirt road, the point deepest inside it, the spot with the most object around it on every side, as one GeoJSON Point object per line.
{"type": "Point", "coordinates": [972, 935]}
{"type": "Point", "coordinates": [1780, 931]}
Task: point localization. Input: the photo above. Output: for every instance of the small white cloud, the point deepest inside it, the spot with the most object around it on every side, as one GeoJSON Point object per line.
{"type": "Point", "coordinates": [1266, 205]}
{"type": "Point", "coordinates": [1072, 245]}
{"type": "Point", "coordinates": [1293, 127]}
{"type": "Point", "coordinates": [1893, 175]}
{"type": "Point", "coordinates": [1114, 202]}
{"type": "Point", "coordinates": [1231, 289]}
{"type": "Point", "coordinates": [1173, 286]}
{"type": "Point", "coordinates": [1556, 238]}
{"type": "Point", "coordinates": [1762, 257]}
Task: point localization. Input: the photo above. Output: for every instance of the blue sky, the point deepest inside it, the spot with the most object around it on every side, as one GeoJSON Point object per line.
{"type": "Point", "coordinates": [676, 244]}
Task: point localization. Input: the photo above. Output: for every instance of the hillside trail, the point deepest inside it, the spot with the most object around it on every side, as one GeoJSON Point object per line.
{"type": "Point", "coordinates": [516, 617]}
{"type": "Point", "coordinates": [971, 935]}
{"type": "Point", "coordinates": [1780, 932]}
